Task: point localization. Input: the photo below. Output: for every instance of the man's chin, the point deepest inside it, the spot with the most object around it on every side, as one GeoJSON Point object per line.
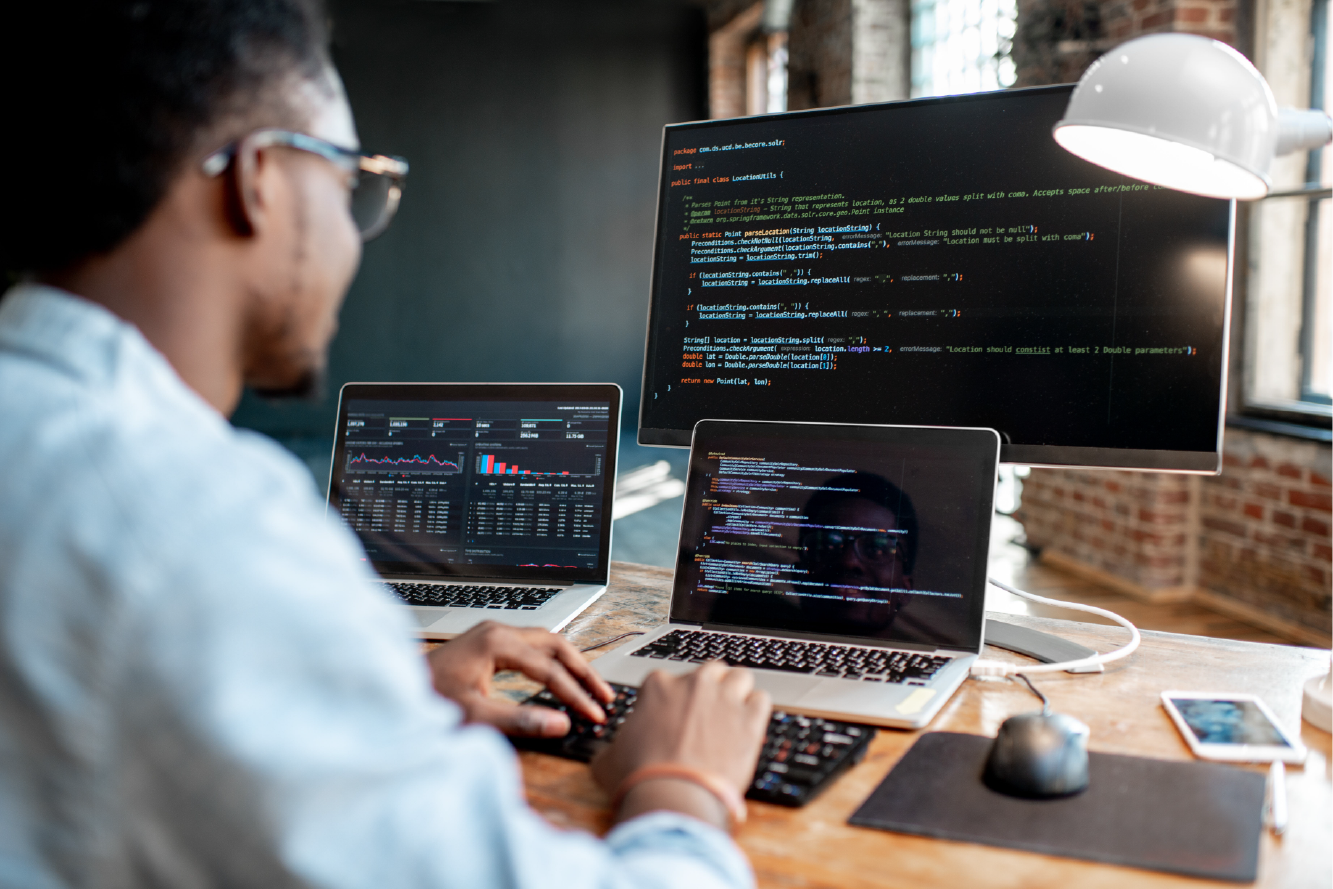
{"type": "Point", "coordinates": [309, 387]}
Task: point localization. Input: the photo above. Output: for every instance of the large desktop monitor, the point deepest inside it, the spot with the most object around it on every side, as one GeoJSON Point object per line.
{"type": "Point", "coordinates": [937, 262]}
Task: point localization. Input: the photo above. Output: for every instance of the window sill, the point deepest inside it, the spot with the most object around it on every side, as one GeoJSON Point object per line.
{"type": "Point", "coordinates": [1281, 427]}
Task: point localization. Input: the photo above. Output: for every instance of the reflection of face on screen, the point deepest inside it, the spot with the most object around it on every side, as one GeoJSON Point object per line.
{"type": "Point", "coordinates": [837, 538]}
{"type": "Point", "coordinates": [859, 541]}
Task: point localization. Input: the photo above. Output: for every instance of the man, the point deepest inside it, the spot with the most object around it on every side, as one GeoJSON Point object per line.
{"type": "Point", "coordinates": [181, 704]}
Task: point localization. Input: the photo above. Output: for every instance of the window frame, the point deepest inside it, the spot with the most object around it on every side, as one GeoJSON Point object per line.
{"type": "Point", "coordinates": [1314, 181]}
{"type": "Point", "coordinates": [1310, 415]}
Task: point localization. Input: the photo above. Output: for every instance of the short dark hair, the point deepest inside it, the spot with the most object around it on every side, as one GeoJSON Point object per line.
{"type": "Point", "coordinates": [105, 99]}
{"type": "Point", "coordinates": [877, 489]}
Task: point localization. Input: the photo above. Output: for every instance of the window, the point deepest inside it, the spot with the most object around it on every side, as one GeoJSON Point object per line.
{"type": "Point", "coordinates": [1317, 289]}
{"type": "Point", "coordinates": [962, 46]}
{"type": "Point", "coordinates": [1289, 319]}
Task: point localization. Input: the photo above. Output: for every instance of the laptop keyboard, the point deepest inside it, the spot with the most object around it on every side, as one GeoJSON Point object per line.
{"type": "Point", "coordinates": [801, 754]}
{"type": "Point", "coordinates": [795, 656]}
{"type": "Point", "coordinates": [508, 598]}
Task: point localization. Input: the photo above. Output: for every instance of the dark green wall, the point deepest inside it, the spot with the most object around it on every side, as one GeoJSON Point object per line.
{"type": "Point", "coordinates": [523, 247]}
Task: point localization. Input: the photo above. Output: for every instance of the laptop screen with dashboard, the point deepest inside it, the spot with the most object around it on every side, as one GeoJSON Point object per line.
{"type": "Point", "coordinates": [870, 532]}
{"type": "Point", "coordinates": [499, 481]}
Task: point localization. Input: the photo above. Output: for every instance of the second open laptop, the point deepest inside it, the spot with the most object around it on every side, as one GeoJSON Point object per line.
{"type": "Point", "coordinates": [845, 565]}
{"type": "Point", "coordinates": [481, 501]}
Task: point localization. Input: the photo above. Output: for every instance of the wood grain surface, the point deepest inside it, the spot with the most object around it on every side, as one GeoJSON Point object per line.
{"type": "Point", "coordinates": [815, 847]}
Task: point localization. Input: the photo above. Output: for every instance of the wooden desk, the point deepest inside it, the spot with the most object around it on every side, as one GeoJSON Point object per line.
{"type": "Point", "coordinates": [815, 847]}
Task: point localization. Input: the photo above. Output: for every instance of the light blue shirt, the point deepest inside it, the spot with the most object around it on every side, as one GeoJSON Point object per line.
{"type": "Point", "coordinates": [199, 687]}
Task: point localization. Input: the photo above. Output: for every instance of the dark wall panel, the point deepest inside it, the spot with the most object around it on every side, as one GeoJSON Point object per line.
{"type": "Point", "coordinates": [523, 246]}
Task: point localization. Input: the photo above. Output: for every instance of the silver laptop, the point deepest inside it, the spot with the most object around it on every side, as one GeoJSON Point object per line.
{"type": "Point", "coordinates": [480, 501]}
{"type": "Point", "coordinates": [845, 565]}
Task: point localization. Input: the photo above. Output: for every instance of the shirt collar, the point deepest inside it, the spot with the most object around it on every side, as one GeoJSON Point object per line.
{"type": "Point", "coordinates": [77, 335]}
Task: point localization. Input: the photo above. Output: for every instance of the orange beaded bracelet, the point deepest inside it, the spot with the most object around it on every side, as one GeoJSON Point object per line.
{"type": "Point", "coordinates": [727, 795]}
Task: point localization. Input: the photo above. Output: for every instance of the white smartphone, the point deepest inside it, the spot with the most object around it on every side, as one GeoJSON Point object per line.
{"type": "Point", "coordinates": [1230, 727]}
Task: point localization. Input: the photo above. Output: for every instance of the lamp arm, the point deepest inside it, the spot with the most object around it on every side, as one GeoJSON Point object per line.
{"type": "Point", "coordinates": [1302, 130]}
{"type": "Point", "coordinates": [1312, 192]}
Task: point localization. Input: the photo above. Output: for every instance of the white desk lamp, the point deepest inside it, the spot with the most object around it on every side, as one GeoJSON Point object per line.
{"type": "Point", "coordinates": [1187, 113]}
{"type": "Point", "coordinates": [1191, 114]}
{"type": "Point", "coordinates": [1317, 703]}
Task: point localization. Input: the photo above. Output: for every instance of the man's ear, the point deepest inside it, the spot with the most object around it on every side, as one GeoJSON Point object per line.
{"type": "Point", "coordinates": [247, 204]}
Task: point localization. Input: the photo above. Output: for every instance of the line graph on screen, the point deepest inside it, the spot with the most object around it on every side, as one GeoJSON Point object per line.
{"type": "Point", "coordinates": [434, 463]}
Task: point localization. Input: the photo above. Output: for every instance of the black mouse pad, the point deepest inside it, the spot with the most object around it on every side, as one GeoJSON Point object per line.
{"type": "Point", "coordinates": [1192, 818]}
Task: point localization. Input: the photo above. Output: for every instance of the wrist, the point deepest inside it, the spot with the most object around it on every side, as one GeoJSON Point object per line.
{"type": "Point", "coordinates": [673, 795]}
{"type": "Point", "coordinates": [698, 790]}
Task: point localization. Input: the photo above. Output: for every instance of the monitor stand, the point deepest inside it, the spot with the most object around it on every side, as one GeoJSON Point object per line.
{"type": "Point", "coordinates": [1043, 646]}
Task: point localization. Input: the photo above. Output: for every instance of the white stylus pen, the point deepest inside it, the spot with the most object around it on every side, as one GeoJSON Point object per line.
{"type": "Point", "coordinates": [1277, 798]}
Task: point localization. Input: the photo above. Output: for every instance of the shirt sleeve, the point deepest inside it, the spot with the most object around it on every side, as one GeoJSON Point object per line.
{"type": "Point", "coordinates": [276, 726]}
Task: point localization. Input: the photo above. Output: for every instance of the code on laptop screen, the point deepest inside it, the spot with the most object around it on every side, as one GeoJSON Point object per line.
{"type": "Point", "coordinates": [476, 488]}
{"type": "Point", "coordinates": [884, 540]}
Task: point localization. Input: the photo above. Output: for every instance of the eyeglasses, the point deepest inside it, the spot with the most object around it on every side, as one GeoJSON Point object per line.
{"type": "Point", "coordinates": [377, 184]}
{"type": "Point", "coordinates": [869, 546]}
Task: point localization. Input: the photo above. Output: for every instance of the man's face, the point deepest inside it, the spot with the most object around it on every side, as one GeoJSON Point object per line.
{"type": "Point", "coordinates": [858, 562]}
{"type": "Point", "coordinates": [312, 256]}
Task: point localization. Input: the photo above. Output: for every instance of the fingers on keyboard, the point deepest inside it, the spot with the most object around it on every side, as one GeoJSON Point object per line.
{"type": "Point", "coordinates": [801, 755]}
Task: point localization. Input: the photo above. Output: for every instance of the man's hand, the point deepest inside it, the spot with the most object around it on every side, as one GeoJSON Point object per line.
{"type": "Point", "coordinates": [713, 719]}
{"type": "Point", "coordinates": [462, 671]}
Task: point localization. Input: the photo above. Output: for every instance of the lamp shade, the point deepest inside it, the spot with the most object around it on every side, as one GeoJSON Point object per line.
{"type": "Point", "coordinates": [1176, 110]}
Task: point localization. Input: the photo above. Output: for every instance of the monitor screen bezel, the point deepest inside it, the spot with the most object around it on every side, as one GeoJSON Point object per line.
{"type": "Point", "coordinates": [608, 392]}
{"type": "Point", "coordinates": [1194, 462]}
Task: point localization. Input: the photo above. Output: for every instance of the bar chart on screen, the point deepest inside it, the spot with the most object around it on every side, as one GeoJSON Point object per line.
{"type": "Point", "coordinates": [490, 464]}
{"type": "Point", "coordinates": [550, 461]}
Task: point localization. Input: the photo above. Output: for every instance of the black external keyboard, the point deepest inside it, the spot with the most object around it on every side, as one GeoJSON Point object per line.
{"type": "Point", "coordinates": [463, 596]}
{"type": "Point", "coordinates": [794, 656]}
{"type": "Point", "coordinates": [801, 755]}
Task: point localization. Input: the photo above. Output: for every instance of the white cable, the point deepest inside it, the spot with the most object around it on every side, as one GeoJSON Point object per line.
{"type": "Point", "coordinates": [983, 667]}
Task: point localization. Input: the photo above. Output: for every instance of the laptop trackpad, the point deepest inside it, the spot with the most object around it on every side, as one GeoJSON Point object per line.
{"type": "Point", "coordinates": [863, 697]}
{"type": "Point", "coordinates": [784, 688]}
{"type": "Point", "coordinates": [427, 616]}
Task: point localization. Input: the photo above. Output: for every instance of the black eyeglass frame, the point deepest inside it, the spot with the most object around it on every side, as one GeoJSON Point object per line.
{"type": "Point", "coordinates": [856, 539]}
{"type": "Point", "coordinates": [393, 168]}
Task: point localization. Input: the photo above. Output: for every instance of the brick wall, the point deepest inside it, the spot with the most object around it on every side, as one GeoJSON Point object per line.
{"type": "Point", "coordinates": [1123, 19]}
{"type": "Point", "coordinates": [1253, 541]}
{"type": "Point", "coordinates": [1131, 525]}
{"type": "Point", "coordinates": [1264, 528]}
{"type": "Point", "coordinates": [1057, 39]}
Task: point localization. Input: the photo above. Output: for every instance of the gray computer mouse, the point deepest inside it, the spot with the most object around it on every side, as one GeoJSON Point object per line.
{"type": "Point", "coordinates": [1039, 756]}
